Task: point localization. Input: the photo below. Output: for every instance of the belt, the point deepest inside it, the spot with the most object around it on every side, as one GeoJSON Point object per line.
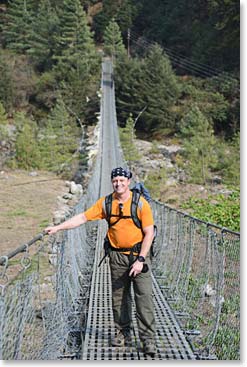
{"type": "Point", "coordinates": [108, 248]}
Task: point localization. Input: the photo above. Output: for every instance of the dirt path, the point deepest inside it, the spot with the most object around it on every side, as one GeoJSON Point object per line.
{"type": "Point", "coordinates": [27, 204]}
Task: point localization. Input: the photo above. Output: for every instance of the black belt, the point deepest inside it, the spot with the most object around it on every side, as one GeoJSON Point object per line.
{"type": "Point", "coordinates": [108, 248]}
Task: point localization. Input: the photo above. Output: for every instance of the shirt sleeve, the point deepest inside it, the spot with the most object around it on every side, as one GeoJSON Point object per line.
{"type": "Point", "coordinates": [96, 211]}
{"type": "Point", "coordinates": [146, 214]}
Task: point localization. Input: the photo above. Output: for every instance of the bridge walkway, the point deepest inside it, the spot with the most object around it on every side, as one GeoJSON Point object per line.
{"type": "Point", "coordinates": [170, 339]}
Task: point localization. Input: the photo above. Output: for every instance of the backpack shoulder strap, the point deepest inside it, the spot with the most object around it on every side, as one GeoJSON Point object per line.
{"type": "Point", "coordinates": [134, 205]}
{"type": "Point", "coordinates": [108, 207]}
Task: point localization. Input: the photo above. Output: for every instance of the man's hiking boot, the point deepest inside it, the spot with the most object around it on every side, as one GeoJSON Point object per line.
{"type": "Point", "coordinates": [149, 347]}
{"type": "Point", "coordinates": [122, 338]}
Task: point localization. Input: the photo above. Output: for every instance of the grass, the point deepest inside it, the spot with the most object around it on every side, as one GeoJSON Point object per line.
{"type": "Point", "coordinates": [17, 213]}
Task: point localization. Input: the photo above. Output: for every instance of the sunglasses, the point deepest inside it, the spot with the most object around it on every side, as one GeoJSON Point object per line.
{"type": "Point", "coordinates": [121, 209]}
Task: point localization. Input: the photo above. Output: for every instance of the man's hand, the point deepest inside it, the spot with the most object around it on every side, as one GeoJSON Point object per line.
{"type": "Point", "coordinates": [73, 222]}
{"type": "Point", "coordinates": [136, 268]}
{"type": "Point", "coordinates": [51, 230]}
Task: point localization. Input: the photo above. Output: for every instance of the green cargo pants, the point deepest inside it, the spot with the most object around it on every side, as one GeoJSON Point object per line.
{"type": "Point", "coordinates": [121, 296]}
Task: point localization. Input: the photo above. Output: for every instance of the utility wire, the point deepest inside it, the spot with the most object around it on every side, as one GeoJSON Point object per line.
{"type": "Point", "coordinates": [178, 59]}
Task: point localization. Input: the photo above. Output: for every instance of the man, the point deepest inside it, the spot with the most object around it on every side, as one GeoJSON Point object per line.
{"type": "Point", "coordinates": [129, 257]}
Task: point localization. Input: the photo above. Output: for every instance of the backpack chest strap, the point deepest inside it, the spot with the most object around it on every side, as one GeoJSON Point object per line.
{"type": "Point", "coordinates": [133, 209]}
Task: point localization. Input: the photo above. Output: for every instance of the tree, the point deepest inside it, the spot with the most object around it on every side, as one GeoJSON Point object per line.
{"type": "Point", "coordinates": [77, 68]}
{"type": "Point", "coordinates": [148, 84]}
{"type": "Point", "coordinates": [123, 11]}
{"type": "Point", "coordinates": [6, 82]}
{"type": "Point", "coordinates": [205, 31]}
{"type": "Point", "coordinates": [58, 141]}
{"type": "Point", "coordinates": [74, 39]}
{"type": "Point", "coordinates": [224, 44]}
{"type": "Point", "coordinates": [3, 123]}
{"type": "Point", "coordinates": [127, 77]}
{"type": "Point", "coordinates": [199, 144]}
{"type": "Point", "coordinates": [17, 29]}
{"type": "Point", "coordinates": [27, 152]}
{"type": "Point", "coordinates": [159, 90]}
{"type": "Point", "coordinates": [229, 160]}
{"type": "Point", "coordinates": [113, 42]}
{"type": "Point", "coordinates": [127, 136]}
{"type": "Point", "coordinates": [208, 98]}
{"type": "Point", "coordinates": [43, 36]}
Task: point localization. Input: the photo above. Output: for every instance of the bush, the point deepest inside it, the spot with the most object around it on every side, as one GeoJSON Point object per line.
{"type": "Point", "coordinates": [27, 152]}
{"type": "Point", "coordinates": [221, 210]}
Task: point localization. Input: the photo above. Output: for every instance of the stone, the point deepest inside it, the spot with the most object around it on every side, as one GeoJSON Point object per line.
{"type": "Point", "coordinates": [68, 196]}
{"type": "Point", "coordinates": [73, 187]}
{"type": "Point", "coordinates": [53, 259]}
{"type": "Point", "coordinates": [209, 291]}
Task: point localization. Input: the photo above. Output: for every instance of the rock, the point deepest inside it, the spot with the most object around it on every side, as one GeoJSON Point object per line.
{"type": "Point", "coordinates": [55, 248]}
{"type": "Point", "coordinates": [60, 215]}
{"type": "Point", "coordinates": [33, 173]}
{"type": "Point", "coordinates": [170, 151]}
{"type": "Point", "coordinates": [225, 192]}
{"type": "Point", "coordinates": [79, 189]}
{"type": "Point", "coordinates": [201, 188]}
{"type": "Point", "coordinates": [61, 201]}
{"type": "Point", "coordinates": [216, 180]}
{"type": "Point", "coordinates": [171, 182]}
{"type": "Point", "coordinates": [68, 196]}
{"type": "Point", "coordinates": [53, 259]}
{"type": "Point", "coordinates": [209, 291]}
{"type": "Point", "coordinates": [214, 300]}
{"type": "Point", "coordinates": [72, 188]}
{"type": "Point", "coordinates": [92, 153]}
{"type": "Point", "coordinates": [75, 189]}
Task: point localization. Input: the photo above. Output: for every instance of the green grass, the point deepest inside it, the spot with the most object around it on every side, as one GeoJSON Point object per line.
{"type": "Point", "coordinates": [219, 209]}
{"type": "Point", "coordinates": [17, 213]}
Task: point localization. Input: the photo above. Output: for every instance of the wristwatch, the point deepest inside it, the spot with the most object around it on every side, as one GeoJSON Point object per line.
{"type": "Point", "coordinates": [141, 259]}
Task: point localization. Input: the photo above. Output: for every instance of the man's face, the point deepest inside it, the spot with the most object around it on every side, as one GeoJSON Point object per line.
{"type": "Point", "coordinates": [120, 184]}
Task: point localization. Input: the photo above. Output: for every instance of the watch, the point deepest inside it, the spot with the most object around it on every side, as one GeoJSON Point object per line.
{"type": "Point", "coordinates": [141, 259]}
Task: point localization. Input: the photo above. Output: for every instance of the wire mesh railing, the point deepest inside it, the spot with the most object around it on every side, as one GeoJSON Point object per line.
{"type": "Point", "coordinates": [197, 265]}
{"type": "Point", "coordinates": [44, 308]}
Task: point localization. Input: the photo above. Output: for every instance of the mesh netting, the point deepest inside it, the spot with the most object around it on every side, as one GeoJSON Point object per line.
{"type": "Point", "coordinates": [197, 265]}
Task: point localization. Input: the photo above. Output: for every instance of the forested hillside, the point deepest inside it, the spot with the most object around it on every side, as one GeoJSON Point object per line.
{"type": "Point", "coordinates": [176, 72]}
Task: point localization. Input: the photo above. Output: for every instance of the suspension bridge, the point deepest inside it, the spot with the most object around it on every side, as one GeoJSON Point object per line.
{"type": "Point", "coordinates": [63, 311]}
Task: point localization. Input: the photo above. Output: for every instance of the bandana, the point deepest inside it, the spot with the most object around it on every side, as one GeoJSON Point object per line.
{"type": "Point", "coordinates": [121, 172]}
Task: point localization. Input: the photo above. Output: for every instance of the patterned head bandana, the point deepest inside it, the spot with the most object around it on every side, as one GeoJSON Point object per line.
{"type": "Point", "coordinates": [121, 172]}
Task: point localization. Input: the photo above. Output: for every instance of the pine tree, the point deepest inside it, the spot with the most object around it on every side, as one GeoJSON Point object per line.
{"type": "Point", "coordinates": [199, 144]}
{"type": "Point", "coordinates": [125, 15]}
{"type": "Point", "coordinates": [148, 84]}
{"type": "Point", "coordinates": [17, 29]}
{"type": "Point", "coordinates": [58, 140]}
{"type": "Point", "coordinates": [128, 137]}
{"type": "Point", "coordinates": [6, 82]}
{"type": "Point", "coordinates": [113, 42]}
{"type": "Point", "coordinates": [159, 90]}
{"type": "Point", "coordinates": [27, 152]}
{"type": "Point", "coordinates": [43, 36]}
{"type": "Point", "coordinates": [127, 78]}
{"type": "Point", "coordinates": [77, 63]}
{"type": "Point", "coordinates": [123, 11]}
{"type": "Point", "coordinates": [229, 160]}
{"type": "Point", "coordinates": [3, 123]}
{"type": "Point", "coordinates": [75, 39]}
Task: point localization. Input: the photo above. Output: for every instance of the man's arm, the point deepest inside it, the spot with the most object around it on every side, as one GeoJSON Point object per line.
{"type": "Point", "coordinates": [73, 222]}
{"type": "Point", "coordinates": [147, 240]}
{"type": "Point", "coordinates": [137, 266]}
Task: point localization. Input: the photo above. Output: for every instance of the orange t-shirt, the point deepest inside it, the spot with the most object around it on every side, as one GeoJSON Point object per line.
{"type": "Point", "coordinates": [124, 233]}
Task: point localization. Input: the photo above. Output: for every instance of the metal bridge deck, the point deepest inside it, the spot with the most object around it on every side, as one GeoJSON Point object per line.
{"type": "Point", "coordinates": [170, 340]}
